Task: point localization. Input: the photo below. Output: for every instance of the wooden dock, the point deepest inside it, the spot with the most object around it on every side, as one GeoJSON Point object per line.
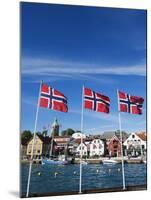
{"type": "Point", "coordinates": [92, 191]}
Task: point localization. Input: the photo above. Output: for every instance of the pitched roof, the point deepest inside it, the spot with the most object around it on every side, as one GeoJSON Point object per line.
{"type": "Point", "coordinates": [44, 139]}
{"type": "Point", "coordinates": [142, 135]}
{"type": "Point", "coordinates": [108, 134]}
{"type": "Point", "coordinates": [78, 141]}
{"type": "Point", "coordinates": [115, 137]}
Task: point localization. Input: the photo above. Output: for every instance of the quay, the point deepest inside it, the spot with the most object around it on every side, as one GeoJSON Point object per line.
{"type": "Point", "coordinates": [117, 189]}
{"type": "Point", "coordinates": [92, 160]}
{"type": "Point", "coordinates": [99, 161]}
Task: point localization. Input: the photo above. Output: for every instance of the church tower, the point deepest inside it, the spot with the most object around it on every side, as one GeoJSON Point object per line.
{"type": "Point", "coordinates": [55, 128]}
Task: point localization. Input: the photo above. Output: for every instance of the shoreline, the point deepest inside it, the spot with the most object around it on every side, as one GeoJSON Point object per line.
{"type": "Point", "coordinates": [92, 161]}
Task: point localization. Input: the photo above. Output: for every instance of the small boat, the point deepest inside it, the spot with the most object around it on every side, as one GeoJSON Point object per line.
{"type": "Point", "coordinates": [83, 162]}
{"type": "Point", "coordinates": [144, 161]}
{"type": "Point", "coordinates": [110, 161]}
{"type": "Point", "coordinates": [54, 162]}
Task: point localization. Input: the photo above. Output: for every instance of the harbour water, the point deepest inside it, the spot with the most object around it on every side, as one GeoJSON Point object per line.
{"type": "Point", "coordinates": [65, 178]}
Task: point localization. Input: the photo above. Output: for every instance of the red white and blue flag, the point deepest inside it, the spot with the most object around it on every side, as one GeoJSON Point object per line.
{"type": "Point", "coordinates": [95, 101]}
{"type": "Point", "coordinates": [52, 99]}
{"type": "Point", "coordinates": [130, 104]}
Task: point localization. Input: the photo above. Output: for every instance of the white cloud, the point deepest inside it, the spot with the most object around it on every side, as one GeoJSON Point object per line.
{"type": "Point", "coordinates": [49, 67]}
{"type": "Point", "coordinates": [97, 115]}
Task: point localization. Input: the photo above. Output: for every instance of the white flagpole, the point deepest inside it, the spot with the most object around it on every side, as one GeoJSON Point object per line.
{"type": "Point", "coordinates": [119, 116]}
{"type": "Point", "coordinates": [32, 151]}
{"type": "Point", "coordinates": [82, 109]}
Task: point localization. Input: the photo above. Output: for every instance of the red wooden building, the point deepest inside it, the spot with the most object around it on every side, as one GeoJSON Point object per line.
{"type": "Point", "coordinates": [114, 146]}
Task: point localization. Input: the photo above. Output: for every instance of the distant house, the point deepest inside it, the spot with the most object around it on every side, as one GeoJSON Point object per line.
{"type": "Point", "coordinates": [23, 152]}
{"type": "Point", "coordinates": [97, 148]}
{"type": "Point", "coordinates": [114, 146]}
{"type": "Point", "coordinates": [61, 143]}
{"type": "Point", "coordinates": [41, 147]}
{"type": "Point", "coordinates": [82, 150]}
{"type": "Point", "coordinates": [135, 144]}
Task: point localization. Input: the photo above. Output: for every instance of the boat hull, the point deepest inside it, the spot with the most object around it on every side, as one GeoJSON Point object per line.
{"type": "Point", "coordinates": [54, 162]}
{"type": "Point", "coordinates": [110, 162]}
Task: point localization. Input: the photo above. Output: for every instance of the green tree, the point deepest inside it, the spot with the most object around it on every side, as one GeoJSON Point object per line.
{"type": "Point", "coordinates": [26, 135]}
{"type": "Point", "coordinates": [38, 133]}
{"type": "Point", "coordinates": [67, 132]}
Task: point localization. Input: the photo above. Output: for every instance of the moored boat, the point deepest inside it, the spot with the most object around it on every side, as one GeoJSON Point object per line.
{"type": "Point", "coordinates": [83, 162]}
{"type": "Point", "coordinates": [110, 161]}
{"type": "Point", "coordinates": [54, 162]}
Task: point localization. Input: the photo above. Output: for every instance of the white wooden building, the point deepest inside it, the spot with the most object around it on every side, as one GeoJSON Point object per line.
{"type": "Point", "coordinates": [135, 144]}
{"type": "Point", "coordinates": [82, 149]}
{"type": "Point", "coordinates": [97, 148]}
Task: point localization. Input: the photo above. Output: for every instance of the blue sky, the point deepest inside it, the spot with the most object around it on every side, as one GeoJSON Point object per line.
{"type": "Point", "coordinates": [68, 46]}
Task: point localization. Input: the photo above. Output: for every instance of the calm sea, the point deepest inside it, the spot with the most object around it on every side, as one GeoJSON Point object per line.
{"type": "Point", "coordinates": [65, 178]}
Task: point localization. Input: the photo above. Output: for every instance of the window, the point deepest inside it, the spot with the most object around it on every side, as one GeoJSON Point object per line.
{"type": "Point", "coordinates": [114, 142]}
{"type": "Point", "coordinates": [143, 146]}
{"type": "Point", "coordinates": [133, 136]}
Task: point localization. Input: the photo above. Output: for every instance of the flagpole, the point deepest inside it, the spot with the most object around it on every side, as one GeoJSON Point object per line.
{"type": "Point", "coordinates": [120, 128]}
{"type": "Point", "coordinates": [34, 137]}
{"type": "Point", "coordinates": [82, 111]}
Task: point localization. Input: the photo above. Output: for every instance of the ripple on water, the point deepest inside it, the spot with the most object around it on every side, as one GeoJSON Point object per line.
{"type": "Point", "coordinates": [93, 176]}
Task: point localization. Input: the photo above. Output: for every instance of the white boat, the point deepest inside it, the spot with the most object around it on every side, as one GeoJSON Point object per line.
{"type": "Point", "coordinates": [144, 161]}
{"type": "Point", "coordinates": [54, 162]}
{"type": "Point", "coordinates": [83, 162]}
{"type": "Point", "coordinates": [110, 161]}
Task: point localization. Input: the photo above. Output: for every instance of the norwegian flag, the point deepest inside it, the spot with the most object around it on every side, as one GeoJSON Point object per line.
{"type": "Point", "coordinates": [95, 101]}
{"type": "Point", "coordinates": [52, 99]}
{"type": "Point", "coordinates": [130, 104]}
